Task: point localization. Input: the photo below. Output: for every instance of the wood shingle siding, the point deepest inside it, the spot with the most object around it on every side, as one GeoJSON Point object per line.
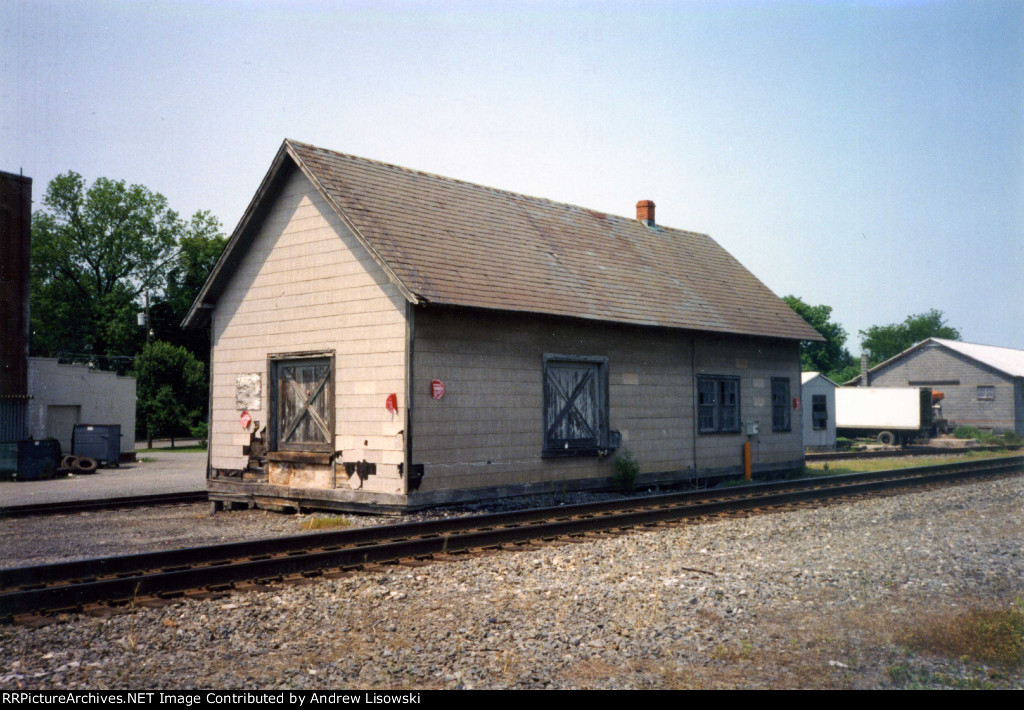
{"type": "Point", "coordinates": [488, 430]}
{"type": "Point", "coordinates": [306, 285]}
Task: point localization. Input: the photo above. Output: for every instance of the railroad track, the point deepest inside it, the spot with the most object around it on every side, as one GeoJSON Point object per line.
{"type": "Point", "coordinates": [80, 585]}
{"type": "Point", "coordinates": [75, 506]}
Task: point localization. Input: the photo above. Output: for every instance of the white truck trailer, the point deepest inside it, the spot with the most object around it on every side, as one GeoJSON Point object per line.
{"type": "Point", "coordinates": [893, 415]}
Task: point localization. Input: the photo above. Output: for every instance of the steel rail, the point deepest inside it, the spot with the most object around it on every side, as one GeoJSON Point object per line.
{"type": "Point", "coordinates": [75, 506]}
{"type": "Point", "coordinates": [351, 549]}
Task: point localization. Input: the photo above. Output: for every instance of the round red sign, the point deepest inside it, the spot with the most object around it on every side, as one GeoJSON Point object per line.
{"type": "Point", "coordinates": [436, 389]}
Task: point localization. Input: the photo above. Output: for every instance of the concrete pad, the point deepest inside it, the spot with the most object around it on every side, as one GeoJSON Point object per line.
{"type": "Point", "coordinates": [162, 472]}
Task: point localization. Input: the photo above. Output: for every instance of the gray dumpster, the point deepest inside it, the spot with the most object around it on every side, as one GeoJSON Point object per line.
{"type": "Point", "coordinates": [98, 441]}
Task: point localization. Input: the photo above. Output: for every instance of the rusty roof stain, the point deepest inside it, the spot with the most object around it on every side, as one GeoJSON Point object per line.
{"type": "Point", "coordinates": [446, 241]}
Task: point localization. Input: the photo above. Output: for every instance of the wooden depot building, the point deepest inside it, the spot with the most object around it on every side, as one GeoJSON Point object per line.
{"type": "Point", "coordinates": [384, 338]}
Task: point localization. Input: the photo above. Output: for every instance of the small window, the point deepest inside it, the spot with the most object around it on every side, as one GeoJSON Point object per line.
{"type": "Point", "coordinates": [819, 412]}
{"type": "Point", "coordinates": [718, 404]}
{"type": "Point", "coordinates": [780, 404]}
{"type": "Point", "coordinates": [986, 391]}
{"type": "Point", "coordinates": [575, 405]}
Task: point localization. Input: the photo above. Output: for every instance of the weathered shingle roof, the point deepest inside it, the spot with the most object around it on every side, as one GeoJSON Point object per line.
{"type": "Point", "coordinates": [451, 242]}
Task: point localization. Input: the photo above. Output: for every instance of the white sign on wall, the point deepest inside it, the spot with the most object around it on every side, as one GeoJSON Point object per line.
{"type": "Point", "coordinates": [248, 391]}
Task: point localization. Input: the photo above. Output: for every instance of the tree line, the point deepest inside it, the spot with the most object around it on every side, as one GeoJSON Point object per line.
{"type": "Point", "coordinates": [102, 254]}
{"type": "Point", "coordinates": [881, 342]}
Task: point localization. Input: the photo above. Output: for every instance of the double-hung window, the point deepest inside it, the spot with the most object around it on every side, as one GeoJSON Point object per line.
{"type": "Point", "coordinates": [575, 405]}
{"type": "Point", "coordinates": [780, 404]}
{"type": "Point", "coordinates": [819, 412]}
{"type": "Point", "coordinates": [718, 403]}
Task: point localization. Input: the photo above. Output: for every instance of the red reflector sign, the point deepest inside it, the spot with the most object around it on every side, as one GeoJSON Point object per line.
{"type": "Point", "coordinates": [436, 389]}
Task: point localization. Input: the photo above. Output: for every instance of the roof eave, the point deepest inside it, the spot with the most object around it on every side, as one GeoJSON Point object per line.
{"type": "Point", "coordinates": [724, 331]}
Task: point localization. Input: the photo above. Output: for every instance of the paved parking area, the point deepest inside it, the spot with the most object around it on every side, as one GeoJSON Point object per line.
{"type": "Point", "coordinates": [163, 472]}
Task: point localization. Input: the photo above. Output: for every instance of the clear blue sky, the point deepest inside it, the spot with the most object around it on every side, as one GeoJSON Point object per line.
{"type": "Point", "coordinates": [865, 155]}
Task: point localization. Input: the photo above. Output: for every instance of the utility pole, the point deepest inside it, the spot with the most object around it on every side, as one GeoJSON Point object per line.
{"type": "Point", "coordinates": [143, 320]}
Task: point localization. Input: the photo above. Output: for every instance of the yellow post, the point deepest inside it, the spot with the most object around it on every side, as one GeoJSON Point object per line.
{"type": "Point", "coordinates": [746, 461]}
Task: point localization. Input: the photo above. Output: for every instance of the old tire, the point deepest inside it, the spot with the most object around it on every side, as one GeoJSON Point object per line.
{"type": "Point", "coordinates": [68, 462]}
{"type": "Point", "coordinates": [85, 465]}
{"type": "Point", "coordinates": [886, 438]}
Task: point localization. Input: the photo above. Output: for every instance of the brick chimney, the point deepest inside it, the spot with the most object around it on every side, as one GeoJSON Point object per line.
{"type": "Point", "coordinates": [864, 381]}
{"type": "Point", "coordinates": [645, 212]}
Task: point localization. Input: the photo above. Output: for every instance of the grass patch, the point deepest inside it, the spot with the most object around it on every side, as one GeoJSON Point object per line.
{"type": "Point", "coordinates": [991, 636]}
{"type": "Point", "coordinates": [969, 432]}
{"type": "Point", "coordinates": [826, 468]}
{"type": "Point", "coordinates": [843, 443]}
{"type": "Point", "coordinates": [732, 652]}
{"type": "Point", "coordinates": [175, 450]}
{"type": "Point", "coordinates": [913, 677]}
{"type": "Point", "coordinates": [336, 521]}
{"type": "Point", "coordinates": [987, 437]}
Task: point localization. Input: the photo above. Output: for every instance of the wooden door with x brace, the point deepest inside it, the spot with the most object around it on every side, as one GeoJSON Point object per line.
{"type": "Point", "coordinates": [303, 406]}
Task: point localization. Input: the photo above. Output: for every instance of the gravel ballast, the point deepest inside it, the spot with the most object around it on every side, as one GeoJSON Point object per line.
{"type": "Point", "coordinates": [822, 597]}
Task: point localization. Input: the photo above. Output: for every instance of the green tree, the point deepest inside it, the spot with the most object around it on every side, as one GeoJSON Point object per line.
{"type": "Point", "coordinates": [886, 341]}
{"type": "Point", "coordinates": [830, 357]}
{"type": "Point", "coordinates": [95, 251]}
{"type": "Point", "coordinates": [198, 252]}
{"type": "Point", "coordinates": [172, 393]}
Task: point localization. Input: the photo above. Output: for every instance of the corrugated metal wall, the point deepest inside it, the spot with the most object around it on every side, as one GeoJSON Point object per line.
{"type": "Point", "coordinates": [12, 420]}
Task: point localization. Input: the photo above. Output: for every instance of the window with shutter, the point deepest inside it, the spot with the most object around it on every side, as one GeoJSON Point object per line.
{"type": "Point", "coordinates": [575, 405]}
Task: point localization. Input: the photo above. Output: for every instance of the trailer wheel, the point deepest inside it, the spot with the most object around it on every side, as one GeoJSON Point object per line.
{"type": "Point", "coordinates": [84, 464]}
{"type": "Point", "coordinates": [886, 438]}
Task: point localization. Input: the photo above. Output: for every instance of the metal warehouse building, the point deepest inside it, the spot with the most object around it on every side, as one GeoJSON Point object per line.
{"type": "Point", "coordinates": [388, 338]}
